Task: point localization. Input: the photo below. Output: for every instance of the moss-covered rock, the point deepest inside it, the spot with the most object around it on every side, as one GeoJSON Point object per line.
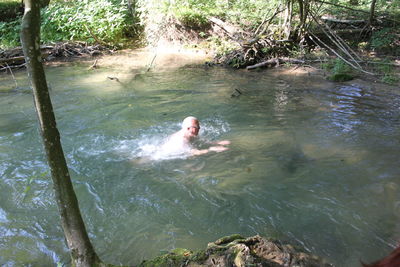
{"type": "Point", "coordinates": [236, 251]}
{"type": "Point", "coordinates": [340, 77]}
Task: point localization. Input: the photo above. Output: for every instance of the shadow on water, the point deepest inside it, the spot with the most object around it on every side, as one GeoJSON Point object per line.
{"type": "Point", "coordinates": [311, 162]}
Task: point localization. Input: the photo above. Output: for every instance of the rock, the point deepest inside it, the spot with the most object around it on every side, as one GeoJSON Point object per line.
{"type": "Point", "coordinates": [236, 251]}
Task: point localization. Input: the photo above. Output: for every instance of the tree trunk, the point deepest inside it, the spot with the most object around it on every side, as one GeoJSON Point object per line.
{"type": "Point", "coordinates": [287, 23]}
{"type": "Point", "coordinates": [304, 7]}
{"type": "Point", "coordinates": [372, 12]}
{"type": "Point", "coordinates": [81, 249]}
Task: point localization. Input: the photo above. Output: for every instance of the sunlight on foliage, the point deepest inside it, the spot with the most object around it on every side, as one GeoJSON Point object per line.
{"type": "Point", "coordinates": [86, 21]}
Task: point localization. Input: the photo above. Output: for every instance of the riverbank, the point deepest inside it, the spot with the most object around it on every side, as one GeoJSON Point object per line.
{"type": "Point", "coordinates": [170, 55]}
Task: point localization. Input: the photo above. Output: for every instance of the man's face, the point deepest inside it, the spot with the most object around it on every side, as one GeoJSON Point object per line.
{"type": "Point", "coordinates": [192, 128]}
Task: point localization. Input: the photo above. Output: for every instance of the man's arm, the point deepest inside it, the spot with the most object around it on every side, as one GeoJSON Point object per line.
{"type": "Point", "coordinates": [197, 152]}
{"type": "Point", "coordinates": [222, 143]}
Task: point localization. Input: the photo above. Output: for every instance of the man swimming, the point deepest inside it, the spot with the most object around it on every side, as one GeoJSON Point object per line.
{"type": "Point", "coordinates": [183, 139]}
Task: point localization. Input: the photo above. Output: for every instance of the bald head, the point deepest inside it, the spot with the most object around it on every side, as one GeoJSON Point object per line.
{"type": "Point", "coordinates": [190, 127]}
{"type": "Point", "coordinates": [188, 121]}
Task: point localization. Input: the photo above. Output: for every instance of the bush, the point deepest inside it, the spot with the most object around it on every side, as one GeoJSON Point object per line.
{"type": "Point", "coordinates": [388, 72]}
{"type": "Point", "coordinates": [340, 71]}
{"type": "Point", "coordinates": [105, 20]}
{"type": "Point", "coordinates": [241, 12]}
{"type": "Point", "coordinates": [192, 19]}
{"type": "Point", "coordinates": [386, 40]}
{"type": "Point", "coordinates": [10, 10]}
{"type": "Point", "coordinates": [9, 32]}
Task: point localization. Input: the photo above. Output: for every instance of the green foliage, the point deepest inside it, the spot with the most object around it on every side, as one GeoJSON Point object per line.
{"type": "Point", "coordinates": [9, 32]}
{"type": "Point", "coordinates": [105, 20]}
{"type": "Point", "coordinates": [10, 13]}
{"type": "Point", "coordinates": [193, 19]}
{"type": "Point", "coordinates": [388, 72]}
{"type": "Point", "coordinates": [341, 67]}
{"type": "Point", "coordinates": [386, 40]}
{"type": "Point", "coordinates": [221, 46]}
{"type": "Point", "coordinates": [340, 71]}
{"type": "Point", "coordinates": [195, 13]}
{"type": "Point", "coordinates": [109, 21]}
{"type": "Point", "coordinates": [248, 14]}
{"type": "Point", "coordinates": [10, 10]}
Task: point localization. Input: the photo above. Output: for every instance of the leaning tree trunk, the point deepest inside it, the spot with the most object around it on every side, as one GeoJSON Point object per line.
{"type": "Point", "coordinates": [81, 249]}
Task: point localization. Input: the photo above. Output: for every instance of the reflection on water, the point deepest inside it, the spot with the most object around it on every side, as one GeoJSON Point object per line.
{"type": "Point", "coordinates": [311, 162]}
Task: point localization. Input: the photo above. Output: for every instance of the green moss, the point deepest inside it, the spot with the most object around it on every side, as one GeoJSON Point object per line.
{"type": "Point", "coordinates": [175, 258]}
{"type": "Point", "coordinates": [228, 239]}
{"type": "Point", "coordinates": [199, 256]}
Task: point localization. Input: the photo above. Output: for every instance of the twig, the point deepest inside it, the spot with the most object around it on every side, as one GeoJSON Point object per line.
{"type": "Point", "coordinates": [13, 67]}
{"type": "Point", "coordinates": [112, 78]}
{"type": "Point", "coordinates": [93, 66]}
{"type": "Point", "coordinates": [151, 63]}
{"type": "Point", "coordinates": [277, 11]}
{"type": "Point", "coordinates": [343, 43]}
{"type": "Point", "coordinates": [15, 80]}
{"type": "Point", "coordinates": [341, 6]}
{"type": "Point", "coordinates": [337, 54]}
{"type": "Point", "coordinates": [337, 41]}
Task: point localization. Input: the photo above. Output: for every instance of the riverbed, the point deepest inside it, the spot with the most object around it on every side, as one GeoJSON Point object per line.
{"type": "Point", "coordinates": [311, 162]}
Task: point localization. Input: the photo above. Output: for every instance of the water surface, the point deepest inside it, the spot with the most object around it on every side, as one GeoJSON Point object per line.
{"type": "Point", "coordinates": [311, 162]}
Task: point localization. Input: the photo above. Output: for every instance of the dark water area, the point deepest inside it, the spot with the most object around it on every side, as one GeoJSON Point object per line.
{"type": "Point", "coordinates": [311, 162]}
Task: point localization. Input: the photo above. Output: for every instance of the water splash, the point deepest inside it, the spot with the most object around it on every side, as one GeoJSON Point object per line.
{"type": "Point", "coordinates": [151, 144]}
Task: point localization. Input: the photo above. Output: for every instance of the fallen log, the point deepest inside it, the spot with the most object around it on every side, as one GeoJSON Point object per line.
{"type": "Point", "coordinates": [343, 21]}
{"type": "Point", "coordinates": [12, 61]}
{"type": "Point", "coordinates": [274, 62]}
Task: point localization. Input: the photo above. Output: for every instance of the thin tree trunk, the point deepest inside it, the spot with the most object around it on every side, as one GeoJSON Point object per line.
{"type": "Point", "coordinates": [372, 12]}
{"type": "Point", "coordinates": [287, 23]}
{"type": "Point", "coordinates": [301, 11]}
{"type": "Point", "coordinates": [81, 249]}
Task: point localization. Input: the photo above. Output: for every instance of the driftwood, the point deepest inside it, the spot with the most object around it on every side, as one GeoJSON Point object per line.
{"type": "Point", "coordinates": [12, 61]}
{"type": "Point", "coordinates": [14, 58]}
{"type": "Point", "coordinates": [342, 21]}
{"type": "Point", "coordinates": [275, 62]}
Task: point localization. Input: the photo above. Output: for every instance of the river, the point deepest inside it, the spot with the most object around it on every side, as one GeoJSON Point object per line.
{"type": "Point", "coordinates": [310, 162]}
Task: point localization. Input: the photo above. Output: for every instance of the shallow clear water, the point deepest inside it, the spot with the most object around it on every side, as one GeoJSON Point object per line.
{"type": "Point", "coordinates": [312, 163]}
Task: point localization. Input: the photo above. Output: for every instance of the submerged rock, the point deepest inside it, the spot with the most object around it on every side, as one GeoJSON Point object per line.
{"type": "Point", "coordinates": [236, 251]}
{"type": "Point", "coordinates": [340, 77]}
